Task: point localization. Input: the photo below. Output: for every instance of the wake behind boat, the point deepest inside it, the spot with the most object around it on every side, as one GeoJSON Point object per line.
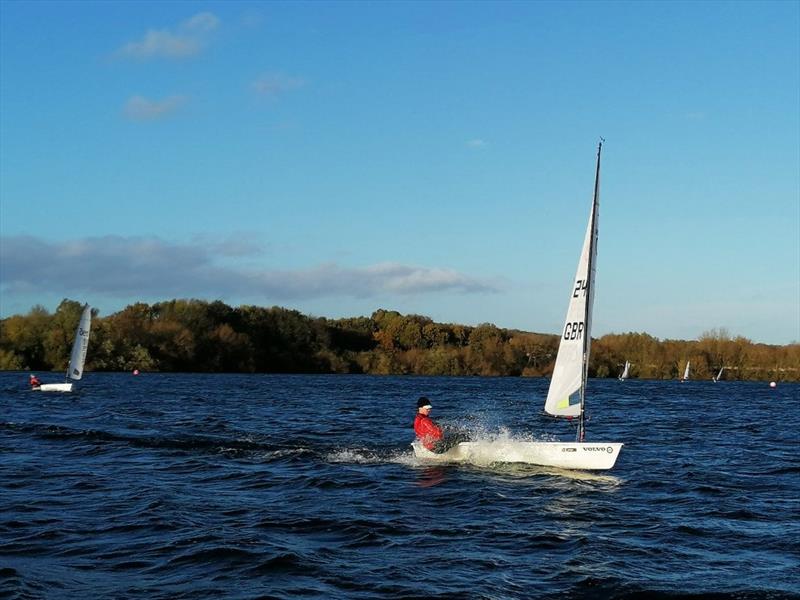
{"type": "Point", "coordinates": [78, 356]}
{"type": "Point", "coordinates": [566, 395]}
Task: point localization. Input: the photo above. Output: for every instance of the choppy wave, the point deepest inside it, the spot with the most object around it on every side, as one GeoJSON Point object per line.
{"type": "Point", "coordinates": [195, 487]}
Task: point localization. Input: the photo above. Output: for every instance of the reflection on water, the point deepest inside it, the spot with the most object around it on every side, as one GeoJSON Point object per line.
{"type": "Point", "coordinates": [431, 476]}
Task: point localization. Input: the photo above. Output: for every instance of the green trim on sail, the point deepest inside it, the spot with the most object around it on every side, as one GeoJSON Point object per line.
{"type": "Point", "coordinates": [571, 400]}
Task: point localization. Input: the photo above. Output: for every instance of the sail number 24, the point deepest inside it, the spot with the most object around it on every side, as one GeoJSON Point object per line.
{"type": "Point", "coordinates": [581, 285]}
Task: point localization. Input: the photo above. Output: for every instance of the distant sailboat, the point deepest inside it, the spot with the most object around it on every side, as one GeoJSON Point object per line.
{"type": "Point", "coordinates": [566, 396]}
{"type": "Point", "coordinates": [686, 372]}
{"type": "Point", "coordinates": [78, 356]}
{"type": "Point", "coordinates": [625, 372]}
{"type": "Point", "coordinates": [719, 375]}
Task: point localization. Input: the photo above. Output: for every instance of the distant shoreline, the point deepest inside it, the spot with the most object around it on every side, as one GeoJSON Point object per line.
{"type": "Point", "coordinates": [195, 336]}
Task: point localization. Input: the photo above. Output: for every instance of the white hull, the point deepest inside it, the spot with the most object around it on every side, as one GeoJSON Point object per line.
{"type": "Point", "coordinates": [564, 455]}
{"type": "Point", "coordinates": [55, 387]}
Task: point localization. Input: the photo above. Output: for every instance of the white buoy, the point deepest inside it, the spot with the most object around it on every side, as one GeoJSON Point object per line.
{"type": "Point", "coordinates": [772, 384]}
{"type": "Point", "coordinates": [136, 371]}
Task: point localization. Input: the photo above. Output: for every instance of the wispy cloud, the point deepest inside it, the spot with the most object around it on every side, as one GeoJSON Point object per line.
{"type": "Point", "coordinates": [274, 84]}
{"type": "Point", "coordinates": [201, 23]}
{"type": "Point", "coordinates": [139, 108]}
{"type": "Point", "coordinates": [139, 267]}
{"type": "Point", "coordinates": [476, 143]}
{"type": "Point", "coordinates": [252, 19]}
{"type": "Point", "coordinates": [187, 40]}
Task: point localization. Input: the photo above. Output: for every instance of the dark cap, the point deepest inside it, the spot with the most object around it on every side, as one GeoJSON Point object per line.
{"type": "Point", "coordinates": [423, 401]}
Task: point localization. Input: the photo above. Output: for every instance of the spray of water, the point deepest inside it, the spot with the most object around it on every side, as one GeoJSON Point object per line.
{"type": "Point", "coordinates": [487, 441]}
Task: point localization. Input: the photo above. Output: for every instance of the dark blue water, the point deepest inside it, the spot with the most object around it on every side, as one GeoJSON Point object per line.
{"type": "Point", "coordinates": [228, 486]}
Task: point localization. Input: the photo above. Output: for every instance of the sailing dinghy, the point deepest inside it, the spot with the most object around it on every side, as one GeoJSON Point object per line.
{"type": "Point", "coordinates": [686, 372]}
{"type": "Point", "coordinates": [78, 356]}
{"type": "Point", "coordinates": [566, 396]}
{"type": "Point", "coordinates": [625, 371]}
{"type": "Point", "coordinates": [719, 375]}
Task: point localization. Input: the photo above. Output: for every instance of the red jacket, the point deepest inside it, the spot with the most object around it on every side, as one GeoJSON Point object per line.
{"type": "Point", "coordinates": [427, 431]}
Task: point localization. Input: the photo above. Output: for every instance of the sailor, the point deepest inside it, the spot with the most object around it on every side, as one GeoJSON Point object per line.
{"type": "Point", "coordinates": [430, 434]}
{"type": "Point", "coordinates": [35, 383]}
{"type": "Point", "coordinates": [426, 429]}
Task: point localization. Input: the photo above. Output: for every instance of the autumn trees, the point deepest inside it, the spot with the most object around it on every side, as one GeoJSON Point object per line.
{"type": "Point", "coordinates": [199, 336]}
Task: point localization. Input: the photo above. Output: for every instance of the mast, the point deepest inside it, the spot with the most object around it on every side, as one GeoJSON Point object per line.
{"type": "Point", "coordinates": [587, 339]}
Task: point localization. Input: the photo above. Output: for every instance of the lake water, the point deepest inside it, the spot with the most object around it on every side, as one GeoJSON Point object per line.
{"type": "Point", "coordinates": [265, 486]}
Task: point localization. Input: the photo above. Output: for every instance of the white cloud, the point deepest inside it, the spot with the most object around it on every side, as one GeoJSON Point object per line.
{"type": "Point", "coordinates": [476, 143]}
{"type": "Point", "coordinates": [188, 40]}
{"type": "Point", "coordinates": [139, 267]}
{"type": "Point", "coordinates": [273, 84]}
{"type": "Point", "coordinates": [161, 43]}
{"type": "Point", "coordinates": [139, 108]}
{"type": "Point", "coordinates": [202, 22]}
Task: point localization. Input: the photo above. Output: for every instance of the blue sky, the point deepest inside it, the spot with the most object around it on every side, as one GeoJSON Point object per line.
{"type": "Point", "coordinates": [433, 158]}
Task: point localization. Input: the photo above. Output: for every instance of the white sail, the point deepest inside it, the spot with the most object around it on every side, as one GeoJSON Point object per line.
{"type": "Point", "coordinates": [565, 395]}
{"type": "Point", "coordinates": [80, 345]}
{"type": "Point", "coordinates": [625, 371]}
{"type": "Point", "coordinates": [686, 371]}
{"type": "Point", "coordinates": [719, 374]}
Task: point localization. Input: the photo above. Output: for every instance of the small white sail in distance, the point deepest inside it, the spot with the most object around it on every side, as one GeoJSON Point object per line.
{"type": "Point", "coordinates": [686, 371]}
{"type": "Point", "coordinates": [625, 371]}
{"type": "Point", "coordinates": [719, 374]}
{"type": "Point", "coordinates": [564, 397]}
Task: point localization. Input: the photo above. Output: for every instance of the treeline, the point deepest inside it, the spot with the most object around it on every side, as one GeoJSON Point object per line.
{"type": "Point", "coordinates": [200, 336]}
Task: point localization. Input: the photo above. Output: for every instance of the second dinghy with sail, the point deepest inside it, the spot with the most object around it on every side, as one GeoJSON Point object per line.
{"type": "Point", "coordinates": [78, 356]}
{"type": "Point", "coordinates": [566, 396]}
